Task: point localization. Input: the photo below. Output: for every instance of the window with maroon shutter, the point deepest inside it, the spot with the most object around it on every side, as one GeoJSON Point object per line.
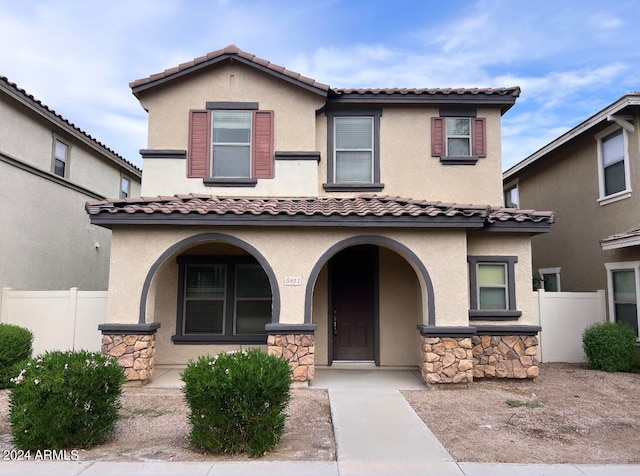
{"type": "Point", "coordinates": [229, 141]}
{"type": "Point", "coordinates": [458, 139]}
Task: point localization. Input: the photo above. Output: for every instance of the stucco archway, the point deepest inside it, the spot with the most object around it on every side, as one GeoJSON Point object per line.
{"type": "Point", "coordinates": [210, 237]}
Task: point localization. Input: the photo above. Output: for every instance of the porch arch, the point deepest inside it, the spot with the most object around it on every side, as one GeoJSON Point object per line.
{"type": "Point", "coordinates": [221, 238]}
{"type": "Point", "coordinates": [385, 242]}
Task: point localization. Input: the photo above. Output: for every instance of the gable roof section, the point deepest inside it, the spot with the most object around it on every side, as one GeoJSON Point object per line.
{"type": "Point", "coordinates": [12, 90]}
{"type": "Point", "coordinates": [231, 51]}
{"type": "Point", "coordinates": [629, 99]}
{"type": "Point", "coordinates": [621, 240]}
{"type": "Point", "coordinates": [363, 210]}
{"type": "Point", "coordinates": [504, 97]}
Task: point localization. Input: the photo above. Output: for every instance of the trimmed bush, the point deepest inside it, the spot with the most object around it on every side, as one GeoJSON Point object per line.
{"type": "Point", "coordinates": [610, 346]}
{"type": "Point", "coordinates": [65, 400]}
{"type": "Point", "coordinates": [15, 348]}
{"type": "Point", "coordinates": [237, 401]}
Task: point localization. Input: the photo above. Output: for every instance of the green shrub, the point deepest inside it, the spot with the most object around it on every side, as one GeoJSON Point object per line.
{"type": "Point", "coordinates": [65, 400]}
{"type": "Point", "coordinates": [15, 347]}
{"type": "Point", "coordinates": [610, 346]}
{"type": "Point", "coordinates": [237, 401]}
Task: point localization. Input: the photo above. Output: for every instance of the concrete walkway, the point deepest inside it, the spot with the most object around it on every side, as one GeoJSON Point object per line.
{"type": "Point", "coordinates": [377, 433]}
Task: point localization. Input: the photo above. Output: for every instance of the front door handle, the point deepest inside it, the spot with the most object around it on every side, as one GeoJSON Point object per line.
{"type": "Point", "coordinates": [335, 324]}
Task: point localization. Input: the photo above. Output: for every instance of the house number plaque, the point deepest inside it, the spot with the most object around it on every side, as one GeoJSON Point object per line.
{"type": "Point", "coordinates": [292, 280]}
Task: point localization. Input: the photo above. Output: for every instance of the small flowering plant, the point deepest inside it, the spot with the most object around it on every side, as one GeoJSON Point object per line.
{"type": "Point", "coordinates": [237, 401]}
{"type": "Point", "coordinates": [65, 400]}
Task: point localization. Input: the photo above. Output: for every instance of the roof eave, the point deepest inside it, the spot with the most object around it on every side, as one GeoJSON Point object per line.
{"type": "Point", "coordinates": [625, 101]}
{"type": "Point", "coordinates": [136, 90]}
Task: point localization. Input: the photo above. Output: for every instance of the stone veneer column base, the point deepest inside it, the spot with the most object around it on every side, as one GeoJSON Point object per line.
{"type": "Point", "coordinates": [133, 346]}
{"type": "Point", "coordinates": [505, 356]}
{"type": "Point", "coordinates": [446, 360]}
{"type": "Point", "coordinates": [298, 350]}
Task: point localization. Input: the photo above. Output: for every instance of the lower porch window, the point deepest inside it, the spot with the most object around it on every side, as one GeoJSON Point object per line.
{"type": "Point", "coordinates": [492, 288]}
{"type": "Point", "coordinates": [222, 299]}
{"type": "Point", "coordinates": [624, 288]}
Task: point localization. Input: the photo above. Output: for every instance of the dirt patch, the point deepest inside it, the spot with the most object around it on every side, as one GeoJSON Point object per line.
{"type": "Point", "coordinates": [570, 414]}
{"type": "Point", "coordinates": [154, 427]}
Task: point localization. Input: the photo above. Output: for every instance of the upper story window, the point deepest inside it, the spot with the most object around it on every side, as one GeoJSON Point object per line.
{"type": "Point", "coordinates": [623, 283]}
{"type": "Point", "coordinates": [353, 146]}
{"type": "Point", "coordinates": [230, 144]}
{"type": "Point", "coordinates": [492, 287]}
{"type": "Point", "coordinates": [125, 187]}
{"type": "Point", "coordinates": [458, 137]}
{"type": "Point", "coordinates": [60, 158]}
{"type": "Point", "coordinates": [613, 165]}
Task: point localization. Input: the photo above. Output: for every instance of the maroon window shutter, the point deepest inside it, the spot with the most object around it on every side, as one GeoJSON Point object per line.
{"type": "Point", "coordinates": [199, 156]}
{"type": "Point", "coordinates": [479, 138]}
{"type": "Point", "coordinates": [437, 137]}
{"type": "Point", "coordinates": [263, 164]}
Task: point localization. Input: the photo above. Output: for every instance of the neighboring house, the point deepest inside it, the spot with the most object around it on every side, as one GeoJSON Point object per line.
{"type": "Point", "coordinates": [590, 176]}
{"type": "Point", "coordinates": [49, 168]}
{"type": "Point", "coordinates": [320, 224]}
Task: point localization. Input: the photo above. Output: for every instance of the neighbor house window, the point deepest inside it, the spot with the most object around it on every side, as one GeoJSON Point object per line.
{"type": "Point", "coordinates": [60, 158]}
{"type": "Point", "coordinates": [550, 278]}
{"type": "Point", "coordinates": [613, 165]}
{"type": "Point", "coordinates": [222, 299]}
{"type": "Point", "coordinates": [231, 144]}
{"type": "Point", "coordinates": [623, 281]}
{"type": "Point", "coordinates": [354, 146]}
{"type": "Point", "coordinates": [511, 196]}
{"type": "Point", "coordinates": [492, 287]}
{"type": "Point", "coordinates": [125, 187]}
{"type": "Point", "coordinates": [458, 137]}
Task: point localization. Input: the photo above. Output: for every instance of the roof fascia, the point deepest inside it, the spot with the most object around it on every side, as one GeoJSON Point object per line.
{"type": "Point", "coordinates": [603, 115]}
{"type": "Point", "coordinates": [55, 120]}
{"type": "Point", "coordinates": [622, 242]}
{"type": "Point", "coordinates": [218, 59]}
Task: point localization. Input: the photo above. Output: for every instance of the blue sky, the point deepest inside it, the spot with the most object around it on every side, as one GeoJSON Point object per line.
{"type": "Point", "coordinates": [570, 57]}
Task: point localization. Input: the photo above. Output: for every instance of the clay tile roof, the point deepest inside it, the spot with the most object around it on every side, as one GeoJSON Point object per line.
{"type": "Point", "coordinates": [221, 54]}
{"type": "Point", "coordinates": [359, 206]}
{"type": "Point", "coordinates": [53, 114]}
{"type": "Point", "coordinates": [512, 91]}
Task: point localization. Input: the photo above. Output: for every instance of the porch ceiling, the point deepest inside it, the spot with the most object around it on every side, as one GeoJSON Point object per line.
{"type": "Point", "coordinates": [359, 211]}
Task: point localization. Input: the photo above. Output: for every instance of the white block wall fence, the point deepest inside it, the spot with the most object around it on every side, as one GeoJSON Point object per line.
{"type": "Point", "coordinates": [564, 317]}
{"type": "Point", "coordinates": [59, 320]}
{"type": "Point", "coordinates": [62, 320]}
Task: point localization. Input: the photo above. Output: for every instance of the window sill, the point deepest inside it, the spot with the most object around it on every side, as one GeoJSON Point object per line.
{"type": "Point", "coordinates": [218, 339]}
{"type": "Point", "coordinates": [353, 187]}
{"type": "Point", "coordinates": [493, 315]}
{"type": "Point", "coordinates": [230, 182]}
{"type": "Point", "coordinates": [451, 160]}
{"type": "Point", "coordinates": [615, 197]}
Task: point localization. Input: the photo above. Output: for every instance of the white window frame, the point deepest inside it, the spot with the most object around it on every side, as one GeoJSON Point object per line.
{"type": "Point", "coordinates": [122, 189]}
{"type": "Point", "coordinates": [336, 149]}
{"type": "Point", "coordinates": [64, 160]}
{"type": "Point", "coordinates": [453, 136]}
{"type": "Point", "coordinates": [604, 199]}
{"type": "Point", "coordinates": [504, 286]}
{"type": "Point", "coordinates": [507, 188]}
{"type": "Point", "coordinates": [622, 266]}
{"type": "Point", "coordinates": [556, 271]}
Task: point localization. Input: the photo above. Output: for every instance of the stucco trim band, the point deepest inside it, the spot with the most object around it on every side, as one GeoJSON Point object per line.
{"type": "Point", "coordinates": [129, 329]}
{"type": "Point", "coordinates": [277, 328]}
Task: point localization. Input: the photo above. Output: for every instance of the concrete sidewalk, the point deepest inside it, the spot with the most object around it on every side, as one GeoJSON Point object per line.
{"type": "Point", "coordinates": [377, 433]}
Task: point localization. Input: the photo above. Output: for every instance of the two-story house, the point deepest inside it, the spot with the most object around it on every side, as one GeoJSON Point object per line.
{"type": "Point", "coordinates": [49, 168]}
{"type": "Point", "coordinates": [324, 225]}
{"type": "Point", "coordinates": [588, 176]}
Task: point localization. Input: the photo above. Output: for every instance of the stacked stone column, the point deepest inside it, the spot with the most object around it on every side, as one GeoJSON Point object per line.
{"type": "Point", "coordinates": [298, 350]}
{"type": "Point", "coordinates": [505, 356]}
{"type": "Point", "coordinates": [136, 353]}
{"type": "Point", "coordinates": [446, 360]}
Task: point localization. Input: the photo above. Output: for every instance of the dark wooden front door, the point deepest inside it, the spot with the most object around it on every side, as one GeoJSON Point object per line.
{"type": "Point", "coordinates": [353, 277]}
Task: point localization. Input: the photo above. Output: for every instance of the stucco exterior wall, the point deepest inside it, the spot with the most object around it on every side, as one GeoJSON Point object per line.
{"type": "Point", "coordinates": [488, 244]}
{"type": "Point", "coordinates": [566, 181]}
{"type": "Point", "coordinates": [46, 239]}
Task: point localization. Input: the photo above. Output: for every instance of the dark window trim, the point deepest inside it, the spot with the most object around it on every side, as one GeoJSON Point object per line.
{"type": "Point", "coordinates": [228, 337]}
{"type": "Point", "coordinates": [232, 106]}
{"type": "Point", "coordinates": [297, 155]}
{"type": "Point", "coordinates": [331, 185]}
{"type": "Point", "coordinates": [491, 314]}
{"type": "Point", "coordinates": [229, 182]}
{"type": "Point", "coordinates": [180, 154]}
{"type": "Point", "coordinates": [451, 160]}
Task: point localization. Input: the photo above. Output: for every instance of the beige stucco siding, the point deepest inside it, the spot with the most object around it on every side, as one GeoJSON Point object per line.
{"type": "Point", "coordinates": [498, 244]}
{"type": "Point", "coordinates": [294, 108]}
